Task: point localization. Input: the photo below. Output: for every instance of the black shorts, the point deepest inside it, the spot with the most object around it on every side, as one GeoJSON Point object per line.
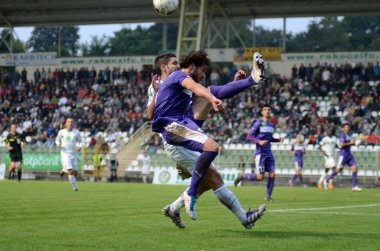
{"type": "Point", "coordinates": [16, 157]}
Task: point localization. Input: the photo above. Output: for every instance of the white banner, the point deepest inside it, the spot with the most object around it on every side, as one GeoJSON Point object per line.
{"type": "Point", "coordinates": [16, 59]}
{"type": "Point", "coordinates": [358, 56]}
{"type": "Point", "coordinates": [169, 176]}
{"type": "Point", "coordinates": [108, 61]}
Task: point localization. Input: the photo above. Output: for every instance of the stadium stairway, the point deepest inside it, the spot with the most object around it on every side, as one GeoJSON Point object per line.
{"type": "Point", "coordinates": [130, 152]}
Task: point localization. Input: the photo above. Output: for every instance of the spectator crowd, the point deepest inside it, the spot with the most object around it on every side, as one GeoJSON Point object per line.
{"type": "Point", "coordinates": [314, 98]}
{"type": "Point", "coordinates": [108, 101]}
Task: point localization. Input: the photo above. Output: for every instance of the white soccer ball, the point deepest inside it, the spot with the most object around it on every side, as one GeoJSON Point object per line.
{"type": "Point", "coordinates": [165, 7]}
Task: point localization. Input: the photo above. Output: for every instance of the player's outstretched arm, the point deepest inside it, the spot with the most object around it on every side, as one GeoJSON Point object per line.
{"type": "Point", "coordinates": [201, 91]}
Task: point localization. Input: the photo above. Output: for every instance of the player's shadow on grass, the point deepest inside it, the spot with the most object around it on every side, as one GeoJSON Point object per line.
{"type": "Point", "coordinates": [297, 234]}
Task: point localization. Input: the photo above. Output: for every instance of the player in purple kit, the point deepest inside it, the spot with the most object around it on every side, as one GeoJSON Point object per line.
{"type": "Point", "coordinates": [345, 158]}
{"type": "Point", "coordinates": [186, 159]}
{"type": "Point", "coordinates": [174, 117]}
{"type": "Point", "coordinates": [262, 135]}
{"type": "Point", "coordinates": [298, 149]}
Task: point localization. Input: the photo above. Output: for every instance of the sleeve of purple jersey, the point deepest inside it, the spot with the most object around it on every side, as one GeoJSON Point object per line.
{"type": "Point", "coordinates": [252, 134]}
{"type": "Point", "coordinates": [342, 137]}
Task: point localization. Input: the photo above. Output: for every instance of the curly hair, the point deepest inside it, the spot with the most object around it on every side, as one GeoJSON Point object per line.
{"type": "Point", "coordinates": [198, 58]}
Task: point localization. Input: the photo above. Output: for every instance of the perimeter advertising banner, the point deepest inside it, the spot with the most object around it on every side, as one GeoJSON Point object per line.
{"type": "Point", "coordinates": [169, 176]}
{"type": "Point", "coordinates": [24, 59]}
{"type": "Point", "coordinates": [41, 161]}
{"type": "Point", "coordinates": [246, 54]}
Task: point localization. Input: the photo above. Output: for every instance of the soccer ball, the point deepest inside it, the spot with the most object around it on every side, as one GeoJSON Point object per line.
{"type": "Point", "coordinates": [165, 7]}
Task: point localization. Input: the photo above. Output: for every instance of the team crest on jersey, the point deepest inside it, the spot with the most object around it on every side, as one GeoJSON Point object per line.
{"type": "Point", "coordinates": [68, 137]}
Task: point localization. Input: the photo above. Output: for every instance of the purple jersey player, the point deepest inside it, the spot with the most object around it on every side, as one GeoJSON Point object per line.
{"type": "Point", "coordinates": [298, 149]}
{"type": "Point", "coordinates": [345, 158]}
{"type": "Point", "coordinates": [262, 135]}
{"type": "Point", "coordinates": [174, 119]}
{"type": "Point", "coordinates": [186, 159]}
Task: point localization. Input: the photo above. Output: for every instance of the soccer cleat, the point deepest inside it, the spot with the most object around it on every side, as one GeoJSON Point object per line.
{"type": "Point", "coordinates": [62, 172]}
{"type": "Point", "coordinates": [331, 186]}
{"type": "Point", "coordinates": [238, 179]}
{"type": "Point", "coordinates": [356, 189]}
{"type": "Point", "coordinates": [268, 198]}
{"type": "Point", "coordinates": [76, 190]}
{"type": "Point", "coordinates": [253, 216]}
{"type": "Point", "coordinates": [319, 185]}
{"type": "Point", "coordinates": [176, 218]}
{"type": "Point", "coordinates": [258, 68]}
{"type": "Point", "coordinates": [190, 205]}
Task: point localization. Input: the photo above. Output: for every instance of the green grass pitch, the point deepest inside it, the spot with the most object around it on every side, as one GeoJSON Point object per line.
{"type": "Point", "coordinates": [41, 215]}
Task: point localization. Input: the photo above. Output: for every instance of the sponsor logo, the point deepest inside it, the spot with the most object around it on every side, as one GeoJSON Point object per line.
{"type": "Point", "coordinates": [266, 129]}
{"type": "Point", "coordinates": [164, 177]}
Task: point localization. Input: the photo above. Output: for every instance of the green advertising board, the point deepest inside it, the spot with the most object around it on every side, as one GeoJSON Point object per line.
{"type": "Point", "coordinates": [42, 161]}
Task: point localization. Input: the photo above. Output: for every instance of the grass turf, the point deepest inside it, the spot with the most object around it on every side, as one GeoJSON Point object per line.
{"type": "Point", "coordinates": [42, 215]}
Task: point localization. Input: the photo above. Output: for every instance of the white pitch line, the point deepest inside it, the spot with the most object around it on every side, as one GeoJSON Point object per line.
{"type": "Point", "coordinates": [335, 213]}
{"type": "Point", "coordinates": [320, 208]}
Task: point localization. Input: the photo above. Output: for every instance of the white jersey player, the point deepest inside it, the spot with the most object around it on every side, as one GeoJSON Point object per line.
{"type": "Point", "coordinates": [327, 146]}
{"type": "Point", "coordinates": [69, 140]}
{"type": "Point", "coordinates": [145, 170]}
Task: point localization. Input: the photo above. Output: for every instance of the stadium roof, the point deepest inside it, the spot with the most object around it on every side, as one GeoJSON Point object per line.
{"type": "Point", "coordinates": [64, 12]}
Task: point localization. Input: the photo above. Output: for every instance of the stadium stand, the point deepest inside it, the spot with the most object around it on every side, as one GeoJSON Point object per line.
{"type": "Point", "coordinates": [109, 107]}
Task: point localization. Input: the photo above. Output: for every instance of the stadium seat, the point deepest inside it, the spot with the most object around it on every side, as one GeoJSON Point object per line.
{"type": "Point", "coordinates": [281, 147]}
{"type": "Point", "coordinates": [246, 146]}
{"type": "Point", "coordinates": [233, 146]}
{"type": "Point", "coordinates": [239, 146]}
{"type": "Point", "coordinates": [369, 148]}
{"type": "Point", "coordinates": [309, 147]}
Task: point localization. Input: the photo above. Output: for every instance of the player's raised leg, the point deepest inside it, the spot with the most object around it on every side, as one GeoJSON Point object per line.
{"type": "Point", "coordinates": [233, 88]}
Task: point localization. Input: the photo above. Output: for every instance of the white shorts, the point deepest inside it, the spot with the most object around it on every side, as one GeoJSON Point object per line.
{"type": "Point", "coordinates": [184, 158]}
{"type": "Point", "coordinates": [69, 162]}
{"type": "Point", "coordinates": [330, 162]}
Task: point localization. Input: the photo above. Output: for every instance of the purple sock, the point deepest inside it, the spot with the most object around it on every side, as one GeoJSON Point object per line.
{"type": "Point", "coordinates": [334, 173]}
{"type": "Point", "coordinates": [294, 177]}
{"type": "Point", "coordinates": [203, 163]}
{"type": "Point", "coordinates": [231, 89]}
{"type": "Point", "coordinates": [270, 186]}
{"type": "Point", "coordinates": [249, 176]}
{"type": "Point", "coordinates": [301, 179]}
{"type": "Point", "coordinates": [354, 179]}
